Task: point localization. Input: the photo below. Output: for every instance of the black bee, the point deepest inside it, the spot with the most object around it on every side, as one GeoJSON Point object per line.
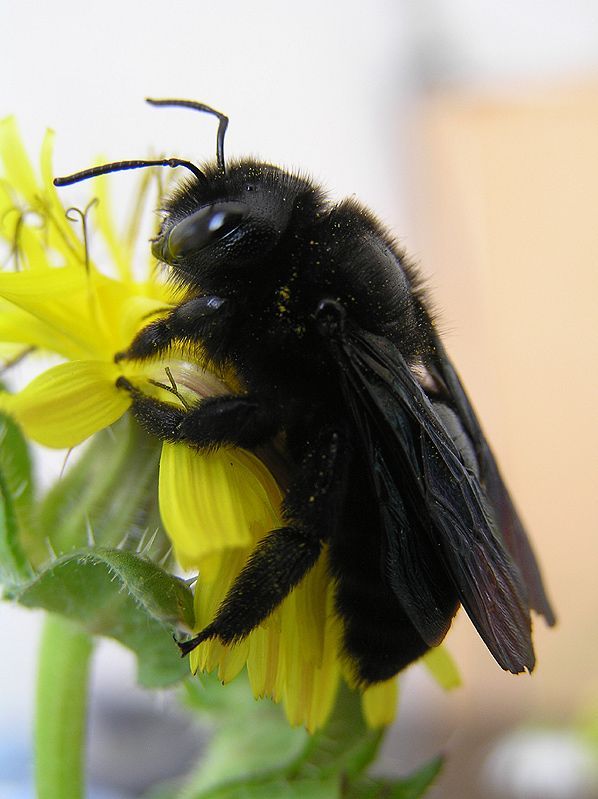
{"type": "Point", "coordinates": [325, 324]}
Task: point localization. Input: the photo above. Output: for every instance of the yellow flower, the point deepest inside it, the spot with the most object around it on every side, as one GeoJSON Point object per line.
{"type": "Point", "coordinates": [214, 506]}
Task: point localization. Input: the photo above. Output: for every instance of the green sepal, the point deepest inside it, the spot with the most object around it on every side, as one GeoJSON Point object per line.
{"type": "Point", "coordinates": [15, 464]}
{"type": "Point", "coordinates": [16, 493]}
{"type": "Point", "coordinates": [118, 594]}
{"type": "Point", "coordinates": [109, 494]}
{"type": "Point", "coordinates": [14, 566]}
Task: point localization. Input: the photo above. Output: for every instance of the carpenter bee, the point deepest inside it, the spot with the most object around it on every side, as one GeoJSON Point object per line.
{"type": "Point", "coordinates": [325, 324]}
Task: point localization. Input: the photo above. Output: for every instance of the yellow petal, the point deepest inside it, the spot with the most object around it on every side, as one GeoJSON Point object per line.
{"type": "Point", "coordinates": [212, 502]}
{"type": "Point", "coordinates": [61, 233]}
{"type": "Point", "coordinates": [135, 310]}
{"type": "Point", "coordinates": [233, 661]}
{"type": "Point", "coordinates": [304, 613]}
{"type": "Point", "coordinates": [263, 661]}
{"type": "Point", "coordinates": [7, 204]}
{"type": "Point", "coordinates": [209, 593]}
{"type": "Point", "coordinates": [23, 287]}
{"type": "Point", "coordinates": [298, 682]}
{"type": "Point", "coordinates": [379, 702]}
{"type": "Point", "coordinates": [211, 589]}
{"type": "Point", "coordinates": [324, 691]}
{"type": "Point", "coordinates": [17, 166]}
{"type": "Point", "coordinates": [57, 298]}
{"type": "Point", "coordinates": [117, 247]}
{"type": "Point", "coordinates": [442, 667]}
{"type": "Point", "coordinates": [24, 231]}
{"type": "Point", "coordinates": [83, 307]}
{"type": "Point", "coordinates": [20, 327]}
{"type": "Point", "coordinates": [10, 352]}
{"type": "Point", "coordinates": [308, 681]}
{"type": "Point", "coordinates": [327, 676]}
{"type": "Point", "coordinates": [58, 232]}
{"type": "Point", "coordinates": [68, 403]}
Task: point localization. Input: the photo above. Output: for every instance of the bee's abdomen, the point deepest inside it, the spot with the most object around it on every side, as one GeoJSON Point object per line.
{"type": "Point", "coordinates": [378, 637]}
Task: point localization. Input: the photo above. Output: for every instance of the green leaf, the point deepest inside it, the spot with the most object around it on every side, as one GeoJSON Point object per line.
{"type": "Point", "coordinates": [418, 784]}
{"type": "Point", "coordinates": [254, 753]}
{"type": "Point", "coordinates": [250, 737]}
{"type": "Point", "coordinates": [313, 774]}
{"type": "Point", "coordinates": [412, 787]}
{"type": "Point", "coordinates": [346, 744]}
{"type": "Point", "coordinates": [251, 753]}
{"type": "Point", "coordinates": [275, 788]}
{"type": "Point", "coordinates": [120, 595]}
{"type": "Point", "coordinates": [257, 788]}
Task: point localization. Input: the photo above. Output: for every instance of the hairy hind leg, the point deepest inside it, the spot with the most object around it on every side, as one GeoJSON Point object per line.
{"type": "Point", "coordinates": [284, 556]}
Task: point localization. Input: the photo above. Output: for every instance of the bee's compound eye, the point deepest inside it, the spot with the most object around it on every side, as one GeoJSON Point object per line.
{"type": "Point", "coordinates": [219, 222]}
{"type": "Point", "coordinates": [203, 227]}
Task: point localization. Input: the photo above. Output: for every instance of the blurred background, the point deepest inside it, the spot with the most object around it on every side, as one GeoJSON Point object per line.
{"type": "Point", "coordinates": [471, 128]}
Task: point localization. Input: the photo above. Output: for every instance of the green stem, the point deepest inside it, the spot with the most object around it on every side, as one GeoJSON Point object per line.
{"type": "Point", "coordinates": [60, 723]}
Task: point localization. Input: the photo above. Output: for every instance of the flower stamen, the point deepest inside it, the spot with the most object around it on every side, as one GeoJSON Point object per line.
{"type": "Point", "coordinates": [172, 388]}
{"type": "Point", "coordinates": [82, 217]}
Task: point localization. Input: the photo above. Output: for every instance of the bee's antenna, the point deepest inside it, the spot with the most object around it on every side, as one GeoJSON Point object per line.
{"type": "Point", "coordinates": [119, 166]}
{"type": "Point", "coordinates": [222, 122]}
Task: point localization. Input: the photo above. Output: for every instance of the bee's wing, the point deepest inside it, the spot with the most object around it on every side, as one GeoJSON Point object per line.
{"type": "Point", "coordinates": [507, 518]}
{"type": "Point", "coordinates": [425, 489]}
{"type": "Point", "coordinates": [411, 564]}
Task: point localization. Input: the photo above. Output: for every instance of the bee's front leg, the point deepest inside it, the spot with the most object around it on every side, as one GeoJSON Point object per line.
{"type": "Point", "coordinates": [187, 321]}
{"type": "Point", "coordinates": [241, 421]}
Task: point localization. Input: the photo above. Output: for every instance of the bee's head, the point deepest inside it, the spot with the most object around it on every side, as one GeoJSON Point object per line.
{"type": "Point", "coordinates": [227, 218]}
{"type": "Point", "coordinates": [223, 228]}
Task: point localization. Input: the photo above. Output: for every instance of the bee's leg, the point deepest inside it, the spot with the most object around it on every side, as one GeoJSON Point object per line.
{"type": "Point", "coordinates": [241, 421]}
{"type": "Point", "coordinates": [284, 556]}
{"type": "Point", "coordinates": [187, 321]}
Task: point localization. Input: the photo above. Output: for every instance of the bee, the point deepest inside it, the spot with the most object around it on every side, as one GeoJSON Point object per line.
{"type": "Point", "coordinates": [325, 323]}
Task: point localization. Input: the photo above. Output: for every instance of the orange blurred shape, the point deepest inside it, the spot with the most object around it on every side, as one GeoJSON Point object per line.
{"type": "Point", "coordinates": [505, 194]}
